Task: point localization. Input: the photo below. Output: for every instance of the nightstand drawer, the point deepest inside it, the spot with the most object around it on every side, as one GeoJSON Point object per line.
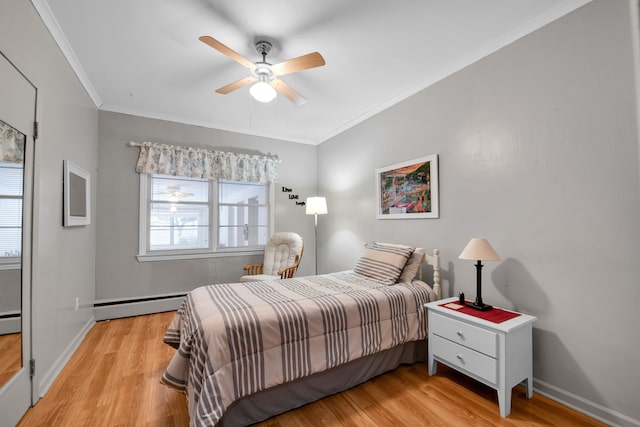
{"type": "Point", "coordinates": [461, 357]}
{"type": "Point", "coordinates": [463, 333]}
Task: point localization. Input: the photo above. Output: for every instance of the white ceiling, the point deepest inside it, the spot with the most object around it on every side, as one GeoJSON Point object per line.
{"type": "Point", "coordinates": [143, 57]}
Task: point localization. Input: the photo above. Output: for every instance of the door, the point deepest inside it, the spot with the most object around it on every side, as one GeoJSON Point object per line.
{"type": "Point", "coordinates": [17, 118]}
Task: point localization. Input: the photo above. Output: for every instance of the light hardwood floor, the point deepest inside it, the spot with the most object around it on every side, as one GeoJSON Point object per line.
{"type": "Point", "coordinates": [113, 380]}
{"type": "Point", "coordinates": [10, 356]}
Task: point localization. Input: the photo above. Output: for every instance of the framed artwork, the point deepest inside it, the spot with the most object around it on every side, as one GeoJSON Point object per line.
{"type": "Point", "coordinates": [408, 189]}
{"type": "Point", "coordinates": [76, 195]}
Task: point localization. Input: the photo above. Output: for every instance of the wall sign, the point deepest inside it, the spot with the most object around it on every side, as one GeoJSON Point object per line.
{"type": "Point", "coordinates": [293, 196]}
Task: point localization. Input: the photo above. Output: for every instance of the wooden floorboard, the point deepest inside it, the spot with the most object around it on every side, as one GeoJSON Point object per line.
{"type": "Point", "coordinates": [10, 356]}
{"type": "Point", "coordinates": [113, 380]}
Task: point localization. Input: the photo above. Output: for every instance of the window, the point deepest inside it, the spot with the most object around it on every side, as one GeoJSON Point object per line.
{"type": "Point", "coordinates": [184, 217]}
{"type": "Point", "coordinates": [243, 219]}
{"type": "Point", "coordinates": [178, 213]}
{"type": "Point", "coordinates": [11, 219]}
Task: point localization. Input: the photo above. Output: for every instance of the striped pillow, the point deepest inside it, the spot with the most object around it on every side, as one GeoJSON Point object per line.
{"type": "Point", "coordinates": [383, 263]}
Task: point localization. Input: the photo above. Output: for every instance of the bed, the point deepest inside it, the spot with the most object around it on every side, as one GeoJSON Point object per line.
{"type": "Point", "coordinates": [248, 351]}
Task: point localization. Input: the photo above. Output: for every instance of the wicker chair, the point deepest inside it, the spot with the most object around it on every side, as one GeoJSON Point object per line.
{"type": "Point", "coordinates": [282, 255]}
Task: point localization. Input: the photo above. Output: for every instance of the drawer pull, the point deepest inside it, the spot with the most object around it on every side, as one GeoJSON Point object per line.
{"type": "Point", "coordinates": [459, 356]}
{"type": "Point", "coordinates": [459, 333]}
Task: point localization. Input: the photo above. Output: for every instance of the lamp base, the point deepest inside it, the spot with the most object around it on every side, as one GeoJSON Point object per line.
{"type": "Point", "coordinates": [481, 306]}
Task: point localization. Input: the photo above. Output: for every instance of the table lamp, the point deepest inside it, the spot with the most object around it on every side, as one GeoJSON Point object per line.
{"type": "Point", "coordinates": [316, 206]}
{"type": "Point", "coordinates": [479, 250]}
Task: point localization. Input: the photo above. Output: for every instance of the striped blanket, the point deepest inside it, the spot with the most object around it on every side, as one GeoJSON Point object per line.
{"type": "Point", "coordinates": [236, 339]}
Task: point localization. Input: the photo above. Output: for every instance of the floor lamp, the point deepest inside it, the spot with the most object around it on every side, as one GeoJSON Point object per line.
{"type": "Point", "coordinates": [316, 206]}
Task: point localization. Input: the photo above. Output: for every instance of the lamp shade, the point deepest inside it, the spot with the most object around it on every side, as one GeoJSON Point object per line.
{"type": "Point", "coordinates": [479, 249]}
{"type": "Point", "coordinates": [316, 205]}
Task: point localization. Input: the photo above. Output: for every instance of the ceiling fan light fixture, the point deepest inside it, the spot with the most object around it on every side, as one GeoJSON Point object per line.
{"type": "Point", "coordinates": [262, 91]}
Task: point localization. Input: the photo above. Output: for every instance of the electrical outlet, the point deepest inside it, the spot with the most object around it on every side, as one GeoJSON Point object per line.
{"type": "Point", "coordinates": [77, 303]}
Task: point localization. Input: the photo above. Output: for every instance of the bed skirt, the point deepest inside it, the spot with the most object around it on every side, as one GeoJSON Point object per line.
{"type": "Point", "coordinates": [267, 403]}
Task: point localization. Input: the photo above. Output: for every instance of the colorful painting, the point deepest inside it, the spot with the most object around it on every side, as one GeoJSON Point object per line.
{"type": "Point", "coordinates": [409, 189]}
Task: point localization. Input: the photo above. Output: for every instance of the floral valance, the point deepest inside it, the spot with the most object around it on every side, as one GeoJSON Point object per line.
{"type": "Point", "coordinates": [11, 144]}
{"type": "Point", "coordinates": [208, 164]}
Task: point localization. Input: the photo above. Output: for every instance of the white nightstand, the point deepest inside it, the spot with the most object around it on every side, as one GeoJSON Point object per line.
{"type": "Point", "coordinates": [496, 354]}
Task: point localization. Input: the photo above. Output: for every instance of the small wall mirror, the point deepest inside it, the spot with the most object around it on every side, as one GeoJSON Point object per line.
{"type": "Point", "coordinates": [77, 199]}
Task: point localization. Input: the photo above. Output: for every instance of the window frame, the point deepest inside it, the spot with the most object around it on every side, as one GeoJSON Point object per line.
{"type": "Point", "coordinates": [145, 254]}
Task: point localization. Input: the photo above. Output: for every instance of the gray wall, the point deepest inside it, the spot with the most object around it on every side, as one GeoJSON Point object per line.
{"type": "Point", "coordinates": [538, 152]}
{"type": "Point", "coordinates": [63, 258]}
{"type": "Point", "coordinates": [118, 273]}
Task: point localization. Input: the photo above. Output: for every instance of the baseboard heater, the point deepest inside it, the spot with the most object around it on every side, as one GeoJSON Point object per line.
{"type": "Point", "coordinates": [127, 307]}
{"type": "Point", "coordinates": [10, 322]}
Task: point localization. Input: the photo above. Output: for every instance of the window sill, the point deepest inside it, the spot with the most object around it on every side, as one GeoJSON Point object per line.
{"type": "Point", "coordinates": [221, 254]}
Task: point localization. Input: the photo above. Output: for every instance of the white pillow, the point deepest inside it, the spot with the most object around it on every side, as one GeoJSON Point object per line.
{"type": "Point", "coordinates": [412, 266]}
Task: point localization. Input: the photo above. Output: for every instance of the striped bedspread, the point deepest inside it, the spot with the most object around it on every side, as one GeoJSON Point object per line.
{"type": "Point", "coordinates": [236, 339]}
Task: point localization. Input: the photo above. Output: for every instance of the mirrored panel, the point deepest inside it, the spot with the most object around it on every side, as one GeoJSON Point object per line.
{"type": "Point", "coordinates": [11, 198]}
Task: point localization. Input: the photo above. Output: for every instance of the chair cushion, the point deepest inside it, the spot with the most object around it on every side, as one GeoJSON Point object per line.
{"type": "Point", "coordinates": [281, 251]}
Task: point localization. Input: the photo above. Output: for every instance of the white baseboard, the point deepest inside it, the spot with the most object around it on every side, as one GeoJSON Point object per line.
{"type": "Point", "coordinates": [49, 377]}
{"type": "Point", "coordinates": [114, 309]}
{"type": "Point", "coordinates": [10, 325]}
{"type": "Point", "coordinates": [580, 404]}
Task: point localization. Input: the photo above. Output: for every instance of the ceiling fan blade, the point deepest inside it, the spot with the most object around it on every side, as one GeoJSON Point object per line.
{"type": "Point", "coordinates": [236, 85]}
{"type": "Point", "coordinates": [304, 62]}
{"type": "Point", "coordinates": [288, 91]}
{"type": "Point", "coordinates": [227, 51]}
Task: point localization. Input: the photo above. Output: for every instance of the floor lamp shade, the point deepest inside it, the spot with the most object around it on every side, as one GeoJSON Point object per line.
{"type": "Point", "coordinates": [479, 250]}
{"type": "Point", "coordinates": [316, 205]}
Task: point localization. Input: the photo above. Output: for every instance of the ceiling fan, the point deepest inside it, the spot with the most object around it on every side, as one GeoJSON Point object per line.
{"type": "Point", "coordinates": [265, 77]}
